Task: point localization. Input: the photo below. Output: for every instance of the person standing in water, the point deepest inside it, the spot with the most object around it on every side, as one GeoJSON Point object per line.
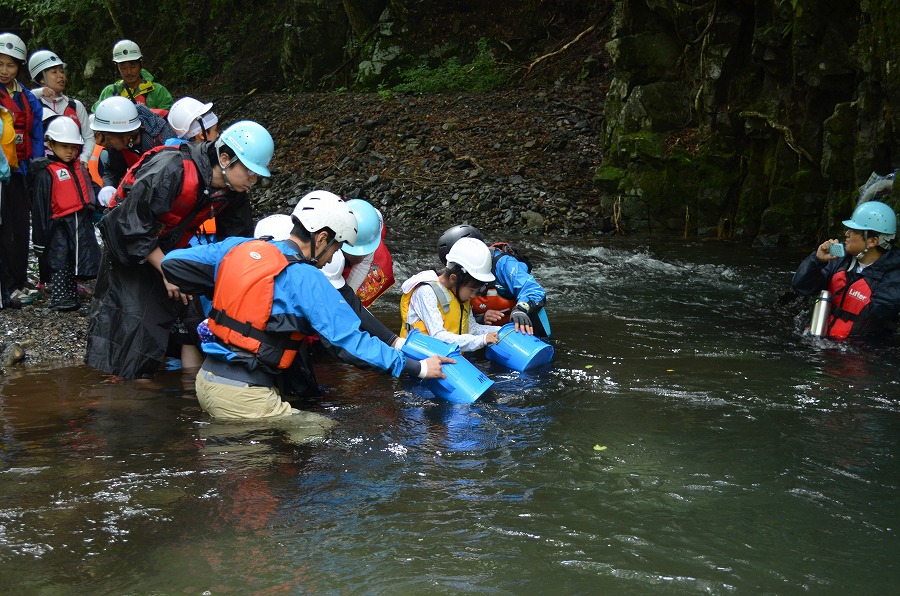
{"type": "Point", "coordinates": [864, 283]}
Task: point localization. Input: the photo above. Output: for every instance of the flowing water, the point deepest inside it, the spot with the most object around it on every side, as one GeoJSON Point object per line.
{"type": "Point", "coordinates": [687, 438]}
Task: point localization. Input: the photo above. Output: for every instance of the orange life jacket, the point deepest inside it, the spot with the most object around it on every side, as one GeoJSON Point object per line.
{"type": "Point", "coordinates": [242, 303]}
{"type": "Point", "coordinates": [94, 165]}
{"type": "Point", "coordinates": [23, 120]}
{"type": "Point", "coordinates": [493, 301]}
{"type": "Point", "coordinates": [69, 189]}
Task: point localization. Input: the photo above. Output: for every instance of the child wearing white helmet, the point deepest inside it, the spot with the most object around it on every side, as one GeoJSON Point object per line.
{"type": "Point", "coordinates": [267, 296]}
{"type": "Point", "coordinates": [49, 71]}
{"type": "Point", "coordinates": [126, 131]}
{"type": "Point", "coordinates": [63, 204]}
{"type": "Point", "coordinates": [862, 274]}
{"type": "Point", "coordinates": [438, 304]}
{"type": "Point", "coordinates": [193, 121]}
{"type": "Point", "coordinates": [136, 84]}
{"type": "Point", "coordinates": [27, 144]}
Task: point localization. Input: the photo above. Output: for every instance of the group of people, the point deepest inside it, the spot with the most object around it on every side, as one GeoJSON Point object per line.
{"type": "Point", "coordinates": [246, 312]}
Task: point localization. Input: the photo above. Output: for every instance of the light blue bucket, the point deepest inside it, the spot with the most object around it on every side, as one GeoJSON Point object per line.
{"type": "Point", "coordinates": [464, 383]}
{"type": "Point", "coordinates": [519, 351]}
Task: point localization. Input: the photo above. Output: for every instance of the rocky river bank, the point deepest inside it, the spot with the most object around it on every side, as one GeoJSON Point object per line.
{"type": "Point", "coordinates": [516, 160]}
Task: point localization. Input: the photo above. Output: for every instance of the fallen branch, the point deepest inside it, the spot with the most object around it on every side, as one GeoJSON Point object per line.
{"type": "Point", "coordinates": [785, 132]}
{"type": "Point", "coordinates": [560, 50]}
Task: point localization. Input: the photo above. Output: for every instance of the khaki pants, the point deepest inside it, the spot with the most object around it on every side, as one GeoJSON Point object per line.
{"type": "Point", "coordinates": [226, 399]}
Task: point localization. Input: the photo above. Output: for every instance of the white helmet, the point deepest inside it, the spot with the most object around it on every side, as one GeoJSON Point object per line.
{"type": "Point", "coordinates": [12, 45]}
{"type": "Point", "coordinates": [115, 114]}
{"type": "Point", "coordinates": [322, 209]}
{"type": "Point", "coordinates": [473, 256]}
{"type": "Point", "coordinates": [334, 270]}
{"type": "Point", "coordinates": [41, 61]}
{"type": "Point", "coordinates": [184, 113]}
{"type": "Point", "coordinates": [63, 129]}
{"type": "Point", "coordinates": [277, 226]}
{"type": "Point", "coordinates": [126, 50]}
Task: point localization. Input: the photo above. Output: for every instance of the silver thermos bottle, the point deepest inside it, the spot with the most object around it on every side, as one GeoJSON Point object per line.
{"type": "Point", "coordinates": [820, 314]}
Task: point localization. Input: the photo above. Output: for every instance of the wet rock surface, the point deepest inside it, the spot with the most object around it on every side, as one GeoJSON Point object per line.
{"type": "Point", "coordinates": [520, 161]}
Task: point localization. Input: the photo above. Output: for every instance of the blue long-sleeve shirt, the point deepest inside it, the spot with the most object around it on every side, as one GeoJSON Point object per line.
{"type": "Point", "coordinates": [303, 298]}
{"type": "Point", "coordinates": [514, 281]}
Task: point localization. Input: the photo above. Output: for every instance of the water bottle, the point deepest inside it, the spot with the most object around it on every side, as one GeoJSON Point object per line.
{"type": "Point", "coordinates": [820, 314]}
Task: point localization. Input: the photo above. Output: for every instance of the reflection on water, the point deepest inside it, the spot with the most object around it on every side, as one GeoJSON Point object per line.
{"type": "Point", "coordinates": [686, 438]}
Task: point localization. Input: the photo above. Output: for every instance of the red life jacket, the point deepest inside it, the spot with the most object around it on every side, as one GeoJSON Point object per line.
{"type": "Point", "coordinates": [69, 190]}
{"type": "Point", "coordinates": [185, 206]}
{"type": "Point", "coordinates": [242, 303]}
{"type": "Point", "coordinates": [23, 119]}
{"type": "Point", "coordinates": [71, 112]}
{"type": "Point", "coordinates": [850, 304]}
{"type": "Point", "coordinates": [380, 276]}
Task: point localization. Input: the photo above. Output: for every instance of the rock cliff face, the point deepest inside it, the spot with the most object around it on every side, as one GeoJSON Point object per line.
{"type": "Point", "coordinates": [751, 119]}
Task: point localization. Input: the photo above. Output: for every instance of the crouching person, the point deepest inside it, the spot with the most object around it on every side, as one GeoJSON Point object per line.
{"type": "Point", "coordinates": [266, 297]}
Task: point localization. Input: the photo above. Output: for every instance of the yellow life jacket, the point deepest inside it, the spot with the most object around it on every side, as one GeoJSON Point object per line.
{"type": "Point", "coordinates": [454, 313]}
{"type": "Point", "coordinates": [8, 138]}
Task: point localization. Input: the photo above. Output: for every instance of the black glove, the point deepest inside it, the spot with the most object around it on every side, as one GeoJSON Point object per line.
{"type": "Point", "coordinates": [519, 315]}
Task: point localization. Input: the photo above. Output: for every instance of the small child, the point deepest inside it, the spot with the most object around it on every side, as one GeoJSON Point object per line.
{"type": "Point", "coordinates": [439, 304]}
{"type": "Point", "coordinates": [193, 121]}
{"type": "Point", "coordinates": [63, 204]}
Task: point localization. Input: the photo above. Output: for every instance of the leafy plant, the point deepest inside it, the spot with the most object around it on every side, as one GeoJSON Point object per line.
{"type": "Point", "coordinates": [483, 73]}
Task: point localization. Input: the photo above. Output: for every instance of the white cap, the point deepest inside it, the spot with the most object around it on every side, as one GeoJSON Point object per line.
{"type": "Point", "coordinates": [334, 270]}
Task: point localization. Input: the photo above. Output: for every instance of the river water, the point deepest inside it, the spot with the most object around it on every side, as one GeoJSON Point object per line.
{"type": "Point", "coordinates": [687, 438]}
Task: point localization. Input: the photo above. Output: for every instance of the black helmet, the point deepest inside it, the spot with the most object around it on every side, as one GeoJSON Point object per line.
{"type": "Point", "coordinates": [450, 237]}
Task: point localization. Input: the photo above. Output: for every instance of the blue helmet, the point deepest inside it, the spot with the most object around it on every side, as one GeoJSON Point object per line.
{"type": "Point", "coordinates": [251, 143]}
{"type": "Point", "coordinates": [368, 228]}
{"type": "Point", "coordinates": [875, 216]}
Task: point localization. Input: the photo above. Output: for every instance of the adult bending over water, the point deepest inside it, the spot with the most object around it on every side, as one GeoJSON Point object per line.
{"type": "Point", "coordinates": [267, 297]}
{"type": "Point", "coordinates": [136, 311]}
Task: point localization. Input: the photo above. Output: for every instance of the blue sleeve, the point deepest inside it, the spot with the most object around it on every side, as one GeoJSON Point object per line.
{"type": "Point", "coordinates": [194, 269]}
{"type": "Point", "coordinates": [37, 127]}
{"type": "Point", "coordinates": [513, 275]}
{"type": "Point", "coordinates": [812, 276]}
{"type": "Point", "coordinates": [310, 295]}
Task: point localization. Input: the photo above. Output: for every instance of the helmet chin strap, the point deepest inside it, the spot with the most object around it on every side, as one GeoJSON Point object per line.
{"type": "Point", "coordinates": [316, 257]}
{"type": "Point", "coordinates": [225, 173]}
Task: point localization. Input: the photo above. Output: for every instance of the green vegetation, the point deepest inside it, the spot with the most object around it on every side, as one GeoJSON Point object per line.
{"type": "Point", "coordinates": [483, 73]}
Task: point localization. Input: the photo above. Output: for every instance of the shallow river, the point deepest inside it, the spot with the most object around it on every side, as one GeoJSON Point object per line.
{"type": "Point", "coordinates": [687, 438]}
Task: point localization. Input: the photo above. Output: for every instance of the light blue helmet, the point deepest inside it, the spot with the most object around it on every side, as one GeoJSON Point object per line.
{"type": "Point", "coordinates": [368, 228]}
{"type": "Point", "coordinates": [875, 216]}
{"type": "Point", "coordinates": [251, 143]}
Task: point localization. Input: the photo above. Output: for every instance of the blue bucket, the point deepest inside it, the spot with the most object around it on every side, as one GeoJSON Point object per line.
{"type": "Point", "coordinates": [421, 345]}
{"type": "Point", "coordinates": [464, 383]}
{"type": "Point", "coordinates": [519, 351]}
